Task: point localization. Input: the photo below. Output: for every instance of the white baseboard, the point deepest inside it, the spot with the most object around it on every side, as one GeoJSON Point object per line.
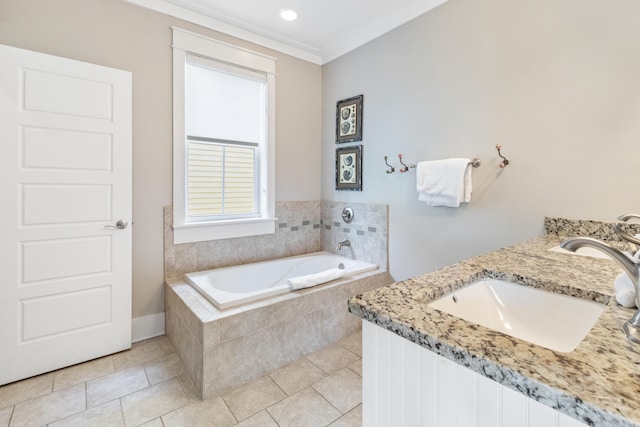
{"type": "Point", "coordinates": [145, 327]}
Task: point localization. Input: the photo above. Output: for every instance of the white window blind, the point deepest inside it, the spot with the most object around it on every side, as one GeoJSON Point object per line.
{"type": "Point", "coordinates": [221, 179]}
{"type": "Point", "coordinates": [225, 125]}
{"type": "Point", "coordinates": [223, 140]}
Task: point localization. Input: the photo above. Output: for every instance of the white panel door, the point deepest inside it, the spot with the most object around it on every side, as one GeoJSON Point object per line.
{"type": "Point", "coordinates": [65, 182]}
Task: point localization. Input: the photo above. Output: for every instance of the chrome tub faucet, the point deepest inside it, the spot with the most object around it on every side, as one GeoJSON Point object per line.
{"type": "Point", "coordinates": [343, 243]}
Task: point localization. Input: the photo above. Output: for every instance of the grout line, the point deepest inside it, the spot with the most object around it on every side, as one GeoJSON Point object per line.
{"type": "Point", "coordinates": [121, 410]}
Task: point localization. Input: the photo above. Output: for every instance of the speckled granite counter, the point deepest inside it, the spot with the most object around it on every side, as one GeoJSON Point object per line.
{"type": "Point", "coordinates": [598, 383]}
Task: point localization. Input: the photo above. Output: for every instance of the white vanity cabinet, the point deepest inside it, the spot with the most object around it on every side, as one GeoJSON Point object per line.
{"type": "Point", "coordinates": [407, 385]}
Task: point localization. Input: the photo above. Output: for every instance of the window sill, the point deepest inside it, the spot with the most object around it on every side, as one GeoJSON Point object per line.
{"type": "Point", "coordinates": [200, 232]}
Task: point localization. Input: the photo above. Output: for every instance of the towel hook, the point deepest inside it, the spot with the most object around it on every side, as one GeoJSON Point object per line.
{"type": "Point", "coordinates": [391, 168]}
{"type": "Point", "coordinates": [406, 167]}
{"type": "Point", "coordinates": [505, 161]}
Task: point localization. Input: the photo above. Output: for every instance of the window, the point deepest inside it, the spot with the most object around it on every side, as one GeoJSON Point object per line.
{"type": "Point", "coordinates": [223, 140]}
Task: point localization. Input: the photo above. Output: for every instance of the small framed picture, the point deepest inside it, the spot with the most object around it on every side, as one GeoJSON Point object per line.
{"type": "Point", "coordinates": [349, 120]}
{"type": "Point", "coordinates": [349, 168]}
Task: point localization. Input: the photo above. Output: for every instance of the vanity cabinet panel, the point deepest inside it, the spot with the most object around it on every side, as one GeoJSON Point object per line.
{"type": "Point", "coordinates": [405, 384]}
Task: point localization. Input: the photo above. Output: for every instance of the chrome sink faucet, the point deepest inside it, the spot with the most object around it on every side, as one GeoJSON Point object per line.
{"type": "Point", "coordinates": [632, 268]}
{"type": "Point", "coordinates": [343, 243]}
{"type": "Point", "coordinates": [634, 242]}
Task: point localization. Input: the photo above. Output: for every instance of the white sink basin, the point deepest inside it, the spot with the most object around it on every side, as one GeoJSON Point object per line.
{"type": "Point", "coordinates": [555, 321]}
{"type": "Point", "coordinates": [584, 251]}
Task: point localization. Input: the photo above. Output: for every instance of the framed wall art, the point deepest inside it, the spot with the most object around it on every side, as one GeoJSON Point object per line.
{"type": "Point", "coordinates": [349, 168]}
{"type": "Point", "coordinates": [349, 120]}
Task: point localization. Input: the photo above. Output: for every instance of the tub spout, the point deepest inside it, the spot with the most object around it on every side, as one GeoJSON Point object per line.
{"type": "Point", "coordinates": [343, 243]}
{"type": "Point", "coordinates": [630, 267]}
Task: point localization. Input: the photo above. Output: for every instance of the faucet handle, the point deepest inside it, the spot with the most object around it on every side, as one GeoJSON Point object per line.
{"type": "Point", "coordinates": [632, 240]}
{"type": "Point", "coordinates": [627, 217]}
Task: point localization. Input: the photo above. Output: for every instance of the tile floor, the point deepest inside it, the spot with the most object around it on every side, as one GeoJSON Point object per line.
{"type": "Point", "coordinates": [147, 386]}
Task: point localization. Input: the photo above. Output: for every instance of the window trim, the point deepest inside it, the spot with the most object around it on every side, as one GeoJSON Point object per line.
{"type": "Point", "coordinates": [185, 232]}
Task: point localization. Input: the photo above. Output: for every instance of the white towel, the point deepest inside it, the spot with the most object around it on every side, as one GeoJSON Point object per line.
{"type": "Point", "coordinates": [625, 291]}
{"type": "Point", "coordinates": [314, 279]}
{"type": "Point", "coordinates": [444, 182]}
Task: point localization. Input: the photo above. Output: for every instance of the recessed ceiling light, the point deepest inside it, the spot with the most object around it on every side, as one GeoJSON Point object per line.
{"type": "Point", "coordinates": [288, 14]}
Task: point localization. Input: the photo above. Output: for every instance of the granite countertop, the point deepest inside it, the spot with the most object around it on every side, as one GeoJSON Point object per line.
{"type": "Point", "coordinates": [598, 383]}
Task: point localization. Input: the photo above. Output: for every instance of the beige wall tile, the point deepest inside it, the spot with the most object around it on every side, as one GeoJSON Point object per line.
{"type": "Point", "coordinates": [210, 413]}
{"type": "Point", "coordinates": [107, 415]}
{"type": "Point", "coordinates": [225, 366]}
{"type": "Point", "coordinates": [305, 408]}
{"type": "Point", "coordinates": [303, 334]}
{"type": "Point", "coordinates": [243, 323]}
{"type": "Point", "coordinates": [49, 408]}
{"type": "Point", "coordinates": [338, 323]}
{"type": "Point", "coordinates": [267, 349]}
{"type": "Point", "coordinates": [152, 402]}
{"type": "Point", "coordinates": [253, 397]}
{"type": "Point", "coordinates": [116, 385]}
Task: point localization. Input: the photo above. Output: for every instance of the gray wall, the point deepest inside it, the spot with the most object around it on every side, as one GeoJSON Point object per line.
{"type": "Point", "coordinates": [557, 83]}
{"type": "Point", "coordinates": [117, 34]}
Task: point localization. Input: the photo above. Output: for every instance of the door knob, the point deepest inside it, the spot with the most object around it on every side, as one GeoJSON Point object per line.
{"type": "Point", "coordinates": [120, 225]}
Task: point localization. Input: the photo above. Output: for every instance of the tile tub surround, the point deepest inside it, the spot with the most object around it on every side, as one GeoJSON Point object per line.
{"type": "Point", "coordinates": [597, 384]}
{"type": "Point", "coordinates": [297, 232]}
{"type": "Point", "coordinates": [302, 227]}
{"type": "Point", "coordinates": [368, 232]}
{"type": "Point", "coordinates": [222, 349]}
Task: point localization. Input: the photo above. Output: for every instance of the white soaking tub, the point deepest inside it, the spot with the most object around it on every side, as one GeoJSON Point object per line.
{"type": "Point", "coordinates": [232, 286]}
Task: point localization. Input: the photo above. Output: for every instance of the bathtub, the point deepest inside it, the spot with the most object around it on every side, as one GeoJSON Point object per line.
{"type": "Point", "coordinates": [233, 286]}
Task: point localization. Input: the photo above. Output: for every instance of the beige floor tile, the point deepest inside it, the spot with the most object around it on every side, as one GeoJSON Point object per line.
{"type": "Point", "coordinates": [356, 367]}
{"type": "Point", "coordinates": [332, 359]}
{"type": "Point", "coordinates": [141, 353]}
{"type": "Point", "coordinates": [297, 375]}
{"type": "Point", "coordinates": [83, 372]}
{"type": "Point", "coordinates": [353, 418]}
{"type": "Point", "coordinates": [107, 415]}
{"type": "Point", "coordinates": [20, 391]}
{"type": "Point", "coordinates": [188, 387]}
{"type": "Point", "coordinates": [153, 402]}
{"type": "Point", "coordinates": [49, 408]}
{"type": "Point", "coordinates": [5, 416]}
{"type": "Point", "coordinates": [353, 343]}
{"type": "Point", "coordinates": [342, 389]}
{"type": "Point", "coordinates": [116, 385]}
{"type": "Point", "coordinates": [305, 408]}
{"type": "Point", "coordinates": [156, 422]}
{"type": "Point", "coordinates": [208, 413]}
{"type": "Point", "coordinates": [261, 419]}
{"type": "Point", "coordinates": [164, 369]}
{"type": "Point", "coordinates": [253, 397]}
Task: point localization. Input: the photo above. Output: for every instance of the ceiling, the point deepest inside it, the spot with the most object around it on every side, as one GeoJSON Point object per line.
{"type": "Point", "coordinates": [324, 30]}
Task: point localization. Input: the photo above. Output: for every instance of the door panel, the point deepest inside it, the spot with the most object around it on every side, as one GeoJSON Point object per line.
{"type": "Point", "coordinates": [65, 178]}
{"type": "Point", "coordinates": [66, 258]}
{"type": "Point", "coordinates": [57, 204]}
{"type": "Point", "coordinates": [46, 148]}
{"type": "Point", "coordinates": [84, 309]}
{"type": "Point", "coordinates": [75, 95]}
